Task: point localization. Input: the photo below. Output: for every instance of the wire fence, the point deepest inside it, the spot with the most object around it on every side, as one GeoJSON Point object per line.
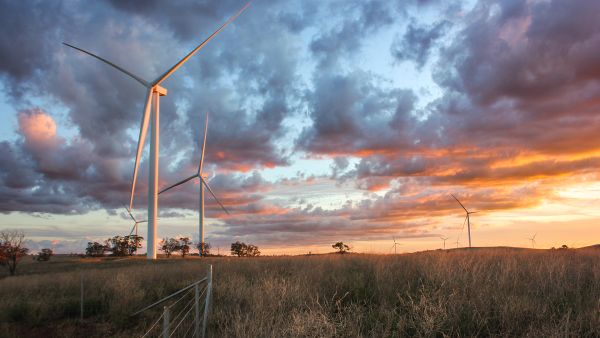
{"type": "Point", "coordinates": [184, 312]}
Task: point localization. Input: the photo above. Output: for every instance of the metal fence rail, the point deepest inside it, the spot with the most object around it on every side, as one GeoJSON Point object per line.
{"type": "Point", "coordinates": [184, 313]}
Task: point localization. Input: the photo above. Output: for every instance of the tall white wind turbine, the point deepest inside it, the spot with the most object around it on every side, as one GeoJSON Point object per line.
{"type": "Point", "coordinates": [155, 91]}
{"type": "Point", "coordinates": [467, 219]}
{"type": "Point", "coordinates": [203, 184]}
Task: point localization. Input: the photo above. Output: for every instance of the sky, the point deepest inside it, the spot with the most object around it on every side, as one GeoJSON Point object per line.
{"type": "Point", "coordinates": [338, 120]}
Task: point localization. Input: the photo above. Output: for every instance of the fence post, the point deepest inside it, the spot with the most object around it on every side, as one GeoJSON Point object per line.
{"type": "Point", "coordinates": [207, 303]}
{"type": "Point", "coordinates": [81, 298]}
{"type": "Point", "coordinates": [197, 311]}
{"type": "Point", "coordinates": [165, 322]}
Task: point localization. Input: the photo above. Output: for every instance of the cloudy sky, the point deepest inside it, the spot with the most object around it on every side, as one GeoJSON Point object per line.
{"type": "Point", "coordinates": [335, 120]}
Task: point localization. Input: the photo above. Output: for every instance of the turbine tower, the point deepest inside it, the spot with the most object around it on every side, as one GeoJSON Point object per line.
{"type": "Point", "coordinates": [203, 184]}
{"type": "Point", "coordinates": [155, 91]}
{"type": "Point", "coordinates": [467, 219]}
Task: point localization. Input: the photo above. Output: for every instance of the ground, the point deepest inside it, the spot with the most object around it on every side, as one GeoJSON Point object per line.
{"type": "Point", "coordinates": [478, 292]}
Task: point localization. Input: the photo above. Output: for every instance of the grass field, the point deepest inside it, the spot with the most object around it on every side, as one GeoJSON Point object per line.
{"type": "Point", "coordinates": [479, 292]}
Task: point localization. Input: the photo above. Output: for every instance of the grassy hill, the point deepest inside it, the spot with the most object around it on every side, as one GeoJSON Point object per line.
{"type": "Point", "coordinates": [483, 291]}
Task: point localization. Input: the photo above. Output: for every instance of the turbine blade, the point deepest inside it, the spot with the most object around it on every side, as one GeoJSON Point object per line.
{"type": "Point", "coordinates": [464, 222]}
{"type": "Point", "coordinates": [178, 183]}
{"type": "Point", "coordinates": [213, 194]}
{"type": "Point", "coordinates": [140, 145]}
{"type": "Point", "coordinates": [130, 215]}
{"type": "Point", "coordinates": [182, 61]}
{"type": "Point", "coordinates": [203, 146]}
{"type": "Point", "coordinates": [459, 203]}
{"type": "Point", "coordinates": [135, 77]}
{"type": "Point", "coordinates": [132, 228]}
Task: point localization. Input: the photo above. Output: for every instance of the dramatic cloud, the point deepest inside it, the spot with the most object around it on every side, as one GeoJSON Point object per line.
{"type": "Point", "coordinates": [317, 124]}
{"type": "Point", "coordinates": [417, 42]}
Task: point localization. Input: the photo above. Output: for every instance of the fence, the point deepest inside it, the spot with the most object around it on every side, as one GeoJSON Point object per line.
{"type": "Point", "coordinates": [184, 313]}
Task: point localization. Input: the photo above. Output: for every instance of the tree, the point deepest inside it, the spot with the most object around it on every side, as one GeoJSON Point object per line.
{"type": "Point", "coordinates": [118, 245]}
{"type": "Point", "coordinates": [12, 249]}
{"type": "Point", "coordinates": [184, 246]}
{"type": "Point", "coordinates": [44, 255]}
{"type": "Point", "coordinates": [252, 251]}
{"type": "Point", "coordinates": [203, 248]}
{"type": "Point", "coordinates": [169, 245]}
{"type": "Point", "coordinates": [95, 249]}
{"type": "Point", "coordinates": [341, 247]}
{"type": "Point", "coordinates": [133, 243]}
{"type": "Point", "coordinates": [242, 249]}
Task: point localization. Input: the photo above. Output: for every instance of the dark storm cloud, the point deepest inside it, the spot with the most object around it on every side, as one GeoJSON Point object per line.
{"type": "Point", "coordinates": [357, 116]}
{"type": "Point", "coordinates": [525, 54]}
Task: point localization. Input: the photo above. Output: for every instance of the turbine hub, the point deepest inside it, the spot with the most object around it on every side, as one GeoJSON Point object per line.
{"type": "Point", "coordinates": [160, 90]}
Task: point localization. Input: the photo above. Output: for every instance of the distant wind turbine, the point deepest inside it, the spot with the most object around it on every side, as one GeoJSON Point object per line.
{"type": "Point", "coordinates": [135, 226]}
{"type": "Point", "coordinates": [532, 239]}
{"type": "Point", "coordinates": [467, 219]}
{"type": "Point", "coordinates": [155, 91]}
{"type": "Point", "coordinates": [203, 184]}
{"type": "Point", "coordinates": [395, 245]}
{"type": "Point", "coordinates": [444, 239]}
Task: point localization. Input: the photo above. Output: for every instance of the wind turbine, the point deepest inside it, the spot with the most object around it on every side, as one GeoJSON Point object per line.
{"type": "Point", "coordinates": [467, 219]}
{"type": "Point", "coordinates": [457, 242]}
{"type": "Point", "coordinates": [532, 239]}
{"type": "Point", "coordinates": [135, 226]}
{"type": "Point", "coordinates": [203, 184]}
{"type": "Point", "coordinates": [155, 91]}
{"type": "Point", "coordinates": [444, 239]}
{"type": "Point", "coordinates": [395, 245]}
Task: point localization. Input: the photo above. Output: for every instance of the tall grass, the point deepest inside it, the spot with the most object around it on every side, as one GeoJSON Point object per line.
{"type": "Point", "coordinates": [485, 292]}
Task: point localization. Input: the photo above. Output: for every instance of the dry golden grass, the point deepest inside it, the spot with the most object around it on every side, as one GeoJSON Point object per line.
{"type": "Point", "coordinates": [481, 292]}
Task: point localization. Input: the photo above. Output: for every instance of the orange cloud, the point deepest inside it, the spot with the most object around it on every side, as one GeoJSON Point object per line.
{"type": "Point", "coordinates": [38, 129]}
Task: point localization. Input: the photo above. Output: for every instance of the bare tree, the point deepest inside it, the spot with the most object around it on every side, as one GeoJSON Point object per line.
{"type": "Point", "coordinates": [12, 248]}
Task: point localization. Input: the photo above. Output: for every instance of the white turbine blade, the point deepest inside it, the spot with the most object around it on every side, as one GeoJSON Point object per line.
{"type": "Point", "coordinates": [135, 77]}
{"type": "Point", "coordinates": [130, 215]}
{"type": "Point", "coordinates": [182, 61]}
{"type": "Point", "coordinates": [213, 194]}
{"type": "Point", "coordinates": [140, 146]}
{"type": "Point", "coordinates": [464, 222]}
{"type": "Point", "coordinates": [178, 183]}
{"type": "Point", "coordinates": [533, 238]}
{"type": "Point", "coordinates": [459, 203]}
{"type": "Point", "coordinates": [132, 228]}
{"type": "Point", "coordinates": [144, 221]}
{"type": "Point", "coordinates": [203, 146]}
